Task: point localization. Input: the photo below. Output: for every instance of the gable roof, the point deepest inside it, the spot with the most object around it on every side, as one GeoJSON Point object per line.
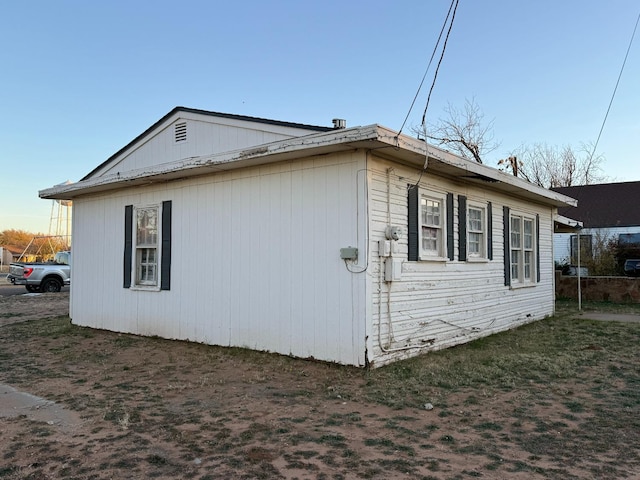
{"type": "Point", "coordinates": [151, 130]}
{"type": "Point", "coordinates": [15, 251]}
{"type": "Point", "coordinates": [604, 205]}
{"type": "Point", "coordinates": [386, 142]}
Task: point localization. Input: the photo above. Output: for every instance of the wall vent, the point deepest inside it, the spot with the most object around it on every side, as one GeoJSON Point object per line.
{"type": "Point", "coordinates": [180, 130]}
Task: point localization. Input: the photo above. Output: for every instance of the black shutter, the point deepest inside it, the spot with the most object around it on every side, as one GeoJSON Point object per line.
{"type": "Point", "coordinates": [450, 237]}
{"type": "Point", "coordinates": [489, 231]}
{"type": "Point", "coordinates": [538, 248]}
{"type": "Point", "coordinates": [506, 216]}
{"type": "Point", "coordinates": [128, 245]}
{"type": "Point", "coordinates": [165, 274]}
{"type": "Point", "coordinates": [462, 228]}
{"type": "Point", "coordinates": [412, 222]}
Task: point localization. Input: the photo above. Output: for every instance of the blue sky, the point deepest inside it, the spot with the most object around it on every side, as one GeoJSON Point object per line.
{"type": "Point", "coordinates": [80, 79]}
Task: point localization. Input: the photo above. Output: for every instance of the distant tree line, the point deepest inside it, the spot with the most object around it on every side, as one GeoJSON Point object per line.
{"type": "Point", "coordinates": [17, 238]}
{"type": "Point", "coordinates": [37, 246]}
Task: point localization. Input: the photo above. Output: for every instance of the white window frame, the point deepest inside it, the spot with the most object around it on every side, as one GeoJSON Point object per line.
{"type": "Point", "coordinates": [146, 271]}
{"type": "Point", "coordinates": [481, 254]}
{"type": "Point", "coordinates": [522, 249]}
{"type": "Point", "coordinates": [440, 227]}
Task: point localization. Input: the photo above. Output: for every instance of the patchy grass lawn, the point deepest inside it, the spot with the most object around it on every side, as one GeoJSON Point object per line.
{"type": "Point", "coordinates": [559, 398]}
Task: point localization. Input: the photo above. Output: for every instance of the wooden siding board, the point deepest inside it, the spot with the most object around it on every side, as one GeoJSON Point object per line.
{"type": "Point", "coordinates": [318, 189]}
{"type": "Point", "coordinates": [454, 301]}
{"type": "Point", "coordinates": [256, 261]}
{"type": "Point", "coordinates": [296, 268]}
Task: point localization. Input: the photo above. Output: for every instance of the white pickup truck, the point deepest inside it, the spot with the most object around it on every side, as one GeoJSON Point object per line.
{"type": "Point", "coordinates": [42, 277]}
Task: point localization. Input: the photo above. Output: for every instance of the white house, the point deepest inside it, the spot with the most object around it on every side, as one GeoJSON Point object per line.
{"type": "Point", "coordinates": [607, 211]}
{"type": "Point", "coordinates": [350, 245]}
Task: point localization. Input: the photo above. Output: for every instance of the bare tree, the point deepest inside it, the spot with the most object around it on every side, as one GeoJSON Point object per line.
{"type": "Point", "coordinates": [463, 132]}
{"type": "Point", "coordinates": [551, 166]}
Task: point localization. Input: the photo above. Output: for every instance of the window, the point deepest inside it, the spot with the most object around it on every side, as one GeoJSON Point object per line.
{"type": "Point", "coordinates": [476, 232]}
{"type": "Point", "coordinates": [522, 247]}
{"type": "Point", "coordinates": [147, 246]}
{"type": "Point", "coordinates": [432, 226]}
{"type": "Point", "coordinates": [586, 248]}
{"type": "Point", "coordinates": [630, 239]}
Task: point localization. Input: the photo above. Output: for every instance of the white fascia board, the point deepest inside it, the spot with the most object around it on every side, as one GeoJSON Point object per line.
{"type": "Point", "coordinates": [473, 172]}
{"type": "Point", "coordinates": [372, 137]}
{"type": "Point", "coordinates": [298, 147]}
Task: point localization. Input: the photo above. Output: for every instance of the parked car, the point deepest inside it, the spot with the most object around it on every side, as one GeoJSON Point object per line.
{"type": "Point", "coordinates": [42, 277]}
{"type": "Point", "coordinates": [632, 267]}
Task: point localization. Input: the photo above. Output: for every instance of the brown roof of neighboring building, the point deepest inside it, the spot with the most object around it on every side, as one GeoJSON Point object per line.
{"type": "Point", "coordinates": [604, 205]}
{"type": "Point", "coordinates": [13, 249]}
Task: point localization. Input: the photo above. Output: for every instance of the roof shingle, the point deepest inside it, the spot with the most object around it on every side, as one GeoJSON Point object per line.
{"type": "Point", "coordinates": [604, 205]}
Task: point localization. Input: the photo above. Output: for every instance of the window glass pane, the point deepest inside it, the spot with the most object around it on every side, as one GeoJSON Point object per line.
{"type": "Point", "coordinates": [147, 226]}
{"type": "Point", "coordinates": [515, 265]}
{"type": "Point", "coordinates": [527, 265]}
{"type": "Point", "coordinates": [514, 273]}
{"type": "Point", "coordinates": [515, 239]}
{"type": "Point", "coordinates": [475, 219]}
{"type": "Point", "coordinates": [430, 239]}
{"type": "Point", "coordinates": [528, 234]}
{"type": "Point", "coordinates": [528, 227]}
{"type": "Point", "coordinates": [475, 241]}
{"type": "Point", "coordinates": [430, 212]}
{"type": "Point", "coordinates": [146, 266]}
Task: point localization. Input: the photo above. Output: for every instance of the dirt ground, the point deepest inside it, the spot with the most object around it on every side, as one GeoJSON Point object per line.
{"type": "Point", "coordinates": [87, 404]}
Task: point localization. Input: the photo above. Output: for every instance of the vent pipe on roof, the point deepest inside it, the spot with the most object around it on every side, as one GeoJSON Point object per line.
{"type": "Point", "coordinates": [339, 123]}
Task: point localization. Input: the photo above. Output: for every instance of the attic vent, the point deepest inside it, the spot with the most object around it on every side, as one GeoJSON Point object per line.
{"type": "Point", "coordinates": [181, 132]}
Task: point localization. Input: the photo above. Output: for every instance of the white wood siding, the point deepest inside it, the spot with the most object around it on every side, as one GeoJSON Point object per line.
{"type": "Point", "coordinates": [439, 304]}
{"type": "Point", "coordinates": [255, 260]}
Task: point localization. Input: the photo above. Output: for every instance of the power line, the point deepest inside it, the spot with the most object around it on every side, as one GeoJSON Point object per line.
{"type": "Point", "coordinates": [604, 121]}
{"type": "Point", "coordinates": [435, 76]}
{"type": "Point", "coordinates": [435, 48]}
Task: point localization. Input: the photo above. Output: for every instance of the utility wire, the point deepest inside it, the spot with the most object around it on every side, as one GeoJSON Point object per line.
{"type": "Point", "coordinates": [433, 54]}
{"type": "Point", "coordinates": [615, 89]}
{"type": "Point", "coordinates": [454, 4]}
{"type": "Point", "coordinates": [444, 47]}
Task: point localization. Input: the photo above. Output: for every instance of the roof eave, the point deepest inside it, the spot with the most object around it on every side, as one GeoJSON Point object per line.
{"type": "Point", "coordinates": [384, 141]}
{"type": "Point", "coordinates": [562, 224]}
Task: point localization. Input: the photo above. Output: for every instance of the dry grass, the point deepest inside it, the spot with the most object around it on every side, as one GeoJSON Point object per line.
{"type": "Point", "coordinates": [559, 398]}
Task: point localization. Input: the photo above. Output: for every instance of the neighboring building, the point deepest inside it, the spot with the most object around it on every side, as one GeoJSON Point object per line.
{"type": "Point", "coordinates": [608, 211]}
{"type": "Point", "coordinates": [8, 254]}
{"type": "Point", "coordinates": [342, 244]}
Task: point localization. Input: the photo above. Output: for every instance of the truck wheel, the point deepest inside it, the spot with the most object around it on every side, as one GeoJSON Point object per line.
{"type": "Point", "coordinates": [50, 285]}
{"type": "Point", "coordinates": [32, 288]}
